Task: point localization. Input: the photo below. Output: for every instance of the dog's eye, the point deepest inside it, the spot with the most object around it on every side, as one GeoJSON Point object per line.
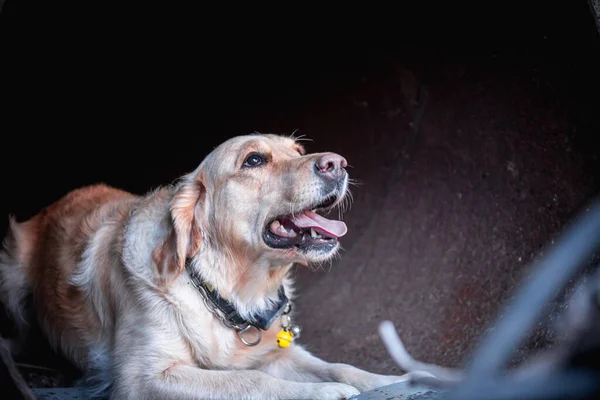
{"type": "Point", "coordinates": [254, 160]}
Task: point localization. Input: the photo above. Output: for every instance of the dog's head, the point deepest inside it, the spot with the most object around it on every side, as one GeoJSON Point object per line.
{"type": "Point", "coordinates": [257, 197]}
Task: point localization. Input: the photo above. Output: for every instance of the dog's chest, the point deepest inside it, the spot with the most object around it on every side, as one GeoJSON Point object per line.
{"type": "Point", "coordinates": [214, 345]}
{"type": "Point", "coordinates": [242, 356]}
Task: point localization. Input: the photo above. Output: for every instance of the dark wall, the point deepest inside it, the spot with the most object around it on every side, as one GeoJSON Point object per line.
{"type": "Point", "coordinates": [470, 128]}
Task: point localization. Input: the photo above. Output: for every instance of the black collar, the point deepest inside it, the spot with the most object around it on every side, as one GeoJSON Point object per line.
{"type": "Point", "coordinates": [262, 320]}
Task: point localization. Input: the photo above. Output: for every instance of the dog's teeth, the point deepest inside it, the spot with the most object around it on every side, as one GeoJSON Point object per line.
{"type": "Point", "coordinates": [275, 226]}
{"type": "Point", "coordinates": [278, 229]}
{"type": "Point", "coordinates": [313, 233]}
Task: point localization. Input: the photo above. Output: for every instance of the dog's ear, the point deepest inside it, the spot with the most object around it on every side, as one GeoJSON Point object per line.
{"type": "Point", "coordinates": [185, 238]}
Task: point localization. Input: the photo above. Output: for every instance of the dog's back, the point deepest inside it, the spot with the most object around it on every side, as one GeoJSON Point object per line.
{"type": "Point", "coordinates": [50, 256]}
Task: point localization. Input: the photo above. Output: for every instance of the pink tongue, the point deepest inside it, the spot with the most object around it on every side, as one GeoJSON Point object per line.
{"type": "Point", "coordinates": [322, 225]}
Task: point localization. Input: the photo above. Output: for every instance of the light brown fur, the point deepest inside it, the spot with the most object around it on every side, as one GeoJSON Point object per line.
{"type": "Point", "coordinates": [107, 272]}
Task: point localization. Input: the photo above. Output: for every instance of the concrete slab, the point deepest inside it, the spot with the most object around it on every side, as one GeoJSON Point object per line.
{"type": "Point", "coordinates": [59, 394]}
{"type": "Point", "coordinates": [400, 391]}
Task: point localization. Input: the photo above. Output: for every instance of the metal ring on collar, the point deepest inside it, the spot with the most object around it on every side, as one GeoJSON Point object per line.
{"type": "Point", "coordinates": [244, 330]}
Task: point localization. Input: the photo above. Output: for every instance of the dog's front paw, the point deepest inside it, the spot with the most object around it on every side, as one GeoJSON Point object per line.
{"type": "Point", "coordinates": [333, 391]}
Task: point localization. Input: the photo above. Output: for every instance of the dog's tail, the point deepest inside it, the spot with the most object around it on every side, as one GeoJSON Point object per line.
{"type": "Point", "coordinates": [396, 349]}
{"type": "Point", "coordinates": [14, 261]}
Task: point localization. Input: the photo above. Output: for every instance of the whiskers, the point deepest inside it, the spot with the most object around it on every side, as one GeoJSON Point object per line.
{"type": "Point", "coordinates": [295, 205]}
{"type": "Point", "coordinates": [315, 266]}
{"type": "Point", "coordinates": [325, 265]}
{"type": "Point", "coordinates": [345, 204]}
{"type": "Point", "coordinates": [301, 138]}
{"type": "Point", "coordinates": [354, 182]}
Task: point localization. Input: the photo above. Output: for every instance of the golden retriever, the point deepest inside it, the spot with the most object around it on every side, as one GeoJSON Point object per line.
{"type": "Point", "coordinates": [183, 293]}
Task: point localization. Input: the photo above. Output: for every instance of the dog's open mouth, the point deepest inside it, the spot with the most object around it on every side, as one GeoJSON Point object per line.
{"type": "Point", "coordinates": [305, 230]}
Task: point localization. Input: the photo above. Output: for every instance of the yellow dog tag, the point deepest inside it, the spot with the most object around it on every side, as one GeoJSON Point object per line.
{"type": "Point", "coordinates": [284, 338]}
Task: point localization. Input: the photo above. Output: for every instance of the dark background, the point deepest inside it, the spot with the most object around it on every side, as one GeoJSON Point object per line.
{"type": "Point", "coordinates": [471, 127]}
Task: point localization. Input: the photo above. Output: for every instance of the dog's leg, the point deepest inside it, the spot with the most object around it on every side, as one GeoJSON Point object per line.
{"type": "Point", "coordinates": [297, 364]}
{"type": "Point", "coordinates": [148, 363]}
{"type": "Point", "coordinates": [183, 382]}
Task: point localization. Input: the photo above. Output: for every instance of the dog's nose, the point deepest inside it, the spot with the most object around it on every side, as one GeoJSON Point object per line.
{"type": "Point", "coordinates": [331, 165]}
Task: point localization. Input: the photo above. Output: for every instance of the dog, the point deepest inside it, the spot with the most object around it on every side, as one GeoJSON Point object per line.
{"type": "Point", "coordinates": [185, 292]}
